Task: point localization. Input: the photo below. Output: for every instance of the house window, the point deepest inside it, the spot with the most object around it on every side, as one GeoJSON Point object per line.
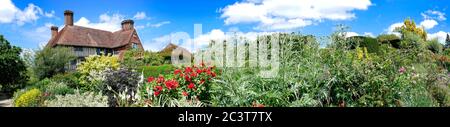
{"type": "Point", "coordinates": [78, 49]}
{"type": "Point", "coordinates": [100, 51]}
{"type": "Point", "coordinates": [116, 52]}
{"type": "Point", "coordinates": [135, 46]}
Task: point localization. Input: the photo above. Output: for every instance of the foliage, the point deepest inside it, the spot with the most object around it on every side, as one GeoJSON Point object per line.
{"type": "Point", "coordinates": [122, 81]}
{"type": "Point", "coordinates": [391, 39]}
{"type": "Point", "coordinates": [56, 88]}
{"type": "Point", "coordinates": [92, 70]}
{"type": "Point", "coordinates": [370, 43]}
{"type": "Point", "coordinates": [31, 98]}
{"type": "Point", "coordinates": [410, 26]}
{"type": "Point", "coordinates": [447, 41]}
{"type": "Point", "coordinates": [435, 46]}
{"type": "Point", "coordinates": [71, 79]}
{"type": "Point", "coordinates": [87, 99]}
{"type": "Point", "coordinates": [51, 61]}
{"type": "Point", "coordinates": [132, 58]}
{"type": "Point", "coordinates": [152, 59]}
{"type": "Point", "coordinates": [155, 71]}
{"type": "Point", "coordinates": [13, 68]}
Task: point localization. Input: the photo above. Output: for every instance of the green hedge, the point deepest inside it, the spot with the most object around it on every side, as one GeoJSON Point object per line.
{"type": "Point", "coordinates": [361, 41]}
{"type": "Point", "coordinates": [157, 70]}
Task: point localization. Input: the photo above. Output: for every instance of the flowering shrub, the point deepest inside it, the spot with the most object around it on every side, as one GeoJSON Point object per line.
{"type": "Point", "coordinates": [190, 82]}
{"type": "Point", "coordinates": [92, 70]}
{"type": "Point", "coordinates": [31, 98]}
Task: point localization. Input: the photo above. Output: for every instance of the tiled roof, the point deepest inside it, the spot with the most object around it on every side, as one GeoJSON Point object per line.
{"type": "Point", "coordinates": [83, 36]}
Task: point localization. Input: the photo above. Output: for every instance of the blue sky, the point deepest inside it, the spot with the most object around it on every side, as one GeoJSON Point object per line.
{"type": "Point", "coordinates": [26, 23]}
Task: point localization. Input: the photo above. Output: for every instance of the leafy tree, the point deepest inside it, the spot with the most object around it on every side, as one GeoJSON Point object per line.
{"type": "Point", "coordinates": [410, 26]}
{"type": "Point", "coordinates": [12, 67]}
{"type": "Point", "coordinates": [51, 61]}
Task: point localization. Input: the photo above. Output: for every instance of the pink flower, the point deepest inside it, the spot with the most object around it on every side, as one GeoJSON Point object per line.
{"type": "Point", "coordinates": [402, 70]}
{"type": "Point", "coordinates": [185, 93]}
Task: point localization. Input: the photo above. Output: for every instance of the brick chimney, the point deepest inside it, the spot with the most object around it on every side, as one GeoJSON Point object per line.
{"type": "Point", "coordinates": [68, 18]}
{"type": "Point", "coordinates": [127, 24]}
{"type": "Point", "coordinates": [54, 31]}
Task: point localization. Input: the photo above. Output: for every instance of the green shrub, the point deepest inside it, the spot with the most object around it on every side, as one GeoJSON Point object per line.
{"type": "Point", "coordinates": [57, 88]}
{"type": "Point", "coordinates": [31, 98]}
{"type": "Point", "coordinates": [51, 61]}
{"type": "Point", "coordinates": [155, 71]}
{"type": "Point", "coordinates": [92, 70]}
{"type": "Point", "coordinates": [71, 79]}
{"type": "Point", "coordinates": [391, 39]}
{"type": "Point", "coordinates": [152, 59]}
{"type": "Point", "coordinates": [87, 99]}
{"type": "Point", "coordinates": [132, 58]}
{"type": "Point", "coordinates": [435, 46]}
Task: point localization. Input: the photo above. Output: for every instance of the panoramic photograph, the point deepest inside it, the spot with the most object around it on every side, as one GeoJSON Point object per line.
{"type": "Point", "coordinates": [224, 53]}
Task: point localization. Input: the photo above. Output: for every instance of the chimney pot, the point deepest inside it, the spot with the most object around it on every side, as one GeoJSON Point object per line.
{"type": "Point", "coordinates": [127, 24]}
{"type": "Point", "coordinates": [68, 17]}
{"type": "Point", "coordinates": [54, 30]}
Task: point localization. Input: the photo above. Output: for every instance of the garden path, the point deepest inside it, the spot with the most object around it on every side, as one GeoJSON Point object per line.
{"type": "Point", "coordinates": [5, 101]}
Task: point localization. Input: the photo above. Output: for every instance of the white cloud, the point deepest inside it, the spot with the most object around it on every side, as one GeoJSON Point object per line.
{"type": "Point", "coordinates": [290, 14]}
{"type": "Point", "coordinates": [432, 14]}
{"type": "Point", "coordinates": [391, 29]}
{"type": "Point", "coordinates": [157, 25]}
{"type": "Point", "coordinates": [351, 34]}
{"type": "Point", "coordinates": [9, 13]}
{"type": "Point", "coordinates": [107, 22]}
{"type": "Point", "coordinates": [441, 36]}
{"type": "Point", "coordinates": [49, 14]}
{"type": "Point", "coordinates": [368, 34]}
{"type": "Point", "coordinates": [428, 23]}
{"type": "Point", "coordinates": [140, 15]}
{"type": "Point", "coordinates": [39, 35]}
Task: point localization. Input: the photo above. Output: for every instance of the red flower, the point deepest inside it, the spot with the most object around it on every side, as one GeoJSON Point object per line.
{"type": "Point", "coordinates": [194, 74]}
{"type": "Point", "coordinates": [208, 71]}
{"type": "Point", "coordinates": [160, 79]}
{"type": "Point", "coordinates": [150, 79]}
{"type": "Point", "coordinates": [199, 71]}
{"type": "Point", "coordinates": [177, 71]}
{"type": "Point", "coordinates": [213, 74]}
{"type": "Point", "coordinates": [185, 93]}
{"type": "Point", "coordinates": [156, 93]}
{"type": "Point", "coordinates": [187, 78]}
{"type": "Point", "coordinates": [158, 88]}
{"type": "Point", "coordinates": [171, 84]}
{"type": "Point", "coordinates": [188, 70]}
{"type": "Point", "coordinates": [191, 86]}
